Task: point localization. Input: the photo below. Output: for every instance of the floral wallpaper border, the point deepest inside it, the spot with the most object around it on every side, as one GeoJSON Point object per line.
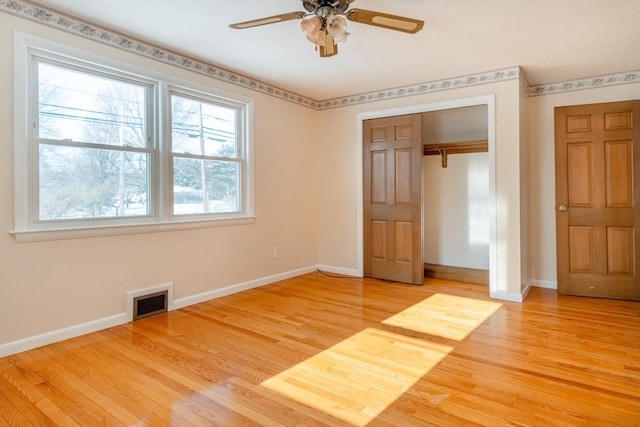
{"type": "Point", "coordinates": [72, 25]}
{"type": "Point", "coordinates": [422, 88]}
{"type": "Point", "coordinates": [586, 83]}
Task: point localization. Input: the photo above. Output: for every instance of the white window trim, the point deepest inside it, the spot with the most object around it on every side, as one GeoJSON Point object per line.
{"type": "Point", "coordinates": [23, 228]}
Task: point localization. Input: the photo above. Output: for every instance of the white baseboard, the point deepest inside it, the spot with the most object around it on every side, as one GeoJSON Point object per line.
{"type": "Point", "coordinates": [515, 297]}
{"type": "Point", "coordinates": [512, 296]}
{"type": "Point", "coordinates": [525, 290]}
{"type": "Point", "coordinates": [62, 334]}
{"type": "Point", "coordinates": [228, 290]}
{"type": "Point", "coordinates": [507, 296]}
{"type": "Point", "coordinates": [108, 322]}
{"type": "Point", "coordinates": [339, 270]}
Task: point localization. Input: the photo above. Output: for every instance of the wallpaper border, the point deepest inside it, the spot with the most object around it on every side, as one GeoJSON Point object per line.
{"type": "Point", "coordinates": [52, 18]}
{"type": "Point", "coordinates": [504, 74]}
{"type": "Point", "coordinates": [586, 83]}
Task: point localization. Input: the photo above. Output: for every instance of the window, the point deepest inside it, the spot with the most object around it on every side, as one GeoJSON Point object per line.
{"type": "Point", "coordinates": [93, 145]}
{"type": "Point", "coordinates": [206, 158]}
{"type": "Point", "coordinates": [108, 145]}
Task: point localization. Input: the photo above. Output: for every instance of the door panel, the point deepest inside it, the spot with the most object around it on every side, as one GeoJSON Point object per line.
{"type": "Point", "coordinates": [617, 121]}
{"type": "Point", "coordinates": [621, 253]}
{"type": "Point", "coordinates": [619, 174]}
{"type": "Point", "coordinates": [404, 242]}
{"type": "Point", "coordinates": [404, 173]}
{"type": "Point", "coordinates": [379, 240]}
{"type": "Point", "coordinates": [581, 251]}
{"type": "Point", "coordinates": [393, 198]}
{"type": "Point", "coordinates": [379, 177]}
{"type": "Point", "coordinates": [598, 199]}
{"type": "Point", "coordinates": [579, 174]}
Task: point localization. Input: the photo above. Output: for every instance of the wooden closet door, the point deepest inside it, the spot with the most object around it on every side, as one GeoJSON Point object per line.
{"type": "Point", "coordinates": [393, 198]}
{"type": "Point", "coordinates": [598, 199]}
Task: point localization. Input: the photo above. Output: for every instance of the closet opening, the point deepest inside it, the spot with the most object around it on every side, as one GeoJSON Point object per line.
{"type": "Point", "coordinates": [455, 201]}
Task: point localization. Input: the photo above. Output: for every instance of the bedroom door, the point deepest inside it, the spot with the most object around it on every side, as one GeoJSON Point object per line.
{"type": "Point", "coordinates": [598, 199]}
{"type": "Point", "coordinates": [393, 198]}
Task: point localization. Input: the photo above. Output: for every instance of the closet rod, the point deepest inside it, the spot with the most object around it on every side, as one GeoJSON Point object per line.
{"type": "Point", "coordinates": [444, 149]}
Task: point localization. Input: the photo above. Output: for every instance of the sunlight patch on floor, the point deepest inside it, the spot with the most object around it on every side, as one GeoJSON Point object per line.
{"type": "Point", "coordinates": [356, 379]}
{"type": "Point", "coordinates": [446, 316]}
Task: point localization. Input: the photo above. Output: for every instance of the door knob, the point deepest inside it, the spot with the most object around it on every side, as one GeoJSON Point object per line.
{"type": "Point", "coordinates": [562, 208]}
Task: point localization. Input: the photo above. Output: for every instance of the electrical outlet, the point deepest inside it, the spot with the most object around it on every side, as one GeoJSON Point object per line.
{"type": "Point", "coordinates": [276, 252]}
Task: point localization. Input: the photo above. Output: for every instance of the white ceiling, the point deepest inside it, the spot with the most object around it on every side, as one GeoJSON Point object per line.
{"type": "Point", "coordinates": [552, 40]}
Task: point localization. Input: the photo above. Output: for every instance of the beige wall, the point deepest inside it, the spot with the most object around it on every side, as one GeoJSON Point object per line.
{"type": "Point", "coordinates": [47, 286]}
{"type": "Point", "coordinates": [541, 167]}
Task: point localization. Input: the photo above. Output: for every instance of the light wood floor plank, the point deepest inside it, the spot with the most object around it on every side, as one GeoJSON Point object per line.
{"type": "Point", "coordinates": [323, 351]}
{"type": "Point", "coordinates": [17, 408]}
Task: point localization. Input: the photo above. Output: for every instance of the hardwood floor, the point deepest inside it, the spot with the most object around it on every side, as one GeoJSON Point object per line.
{"type": "Point", "coordinates": [317, 350]}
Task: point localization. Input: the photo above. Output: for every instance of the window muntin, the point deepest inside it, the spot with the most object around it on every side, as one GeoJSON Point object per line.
{"type": "Point", "coordinates": [206, 156]}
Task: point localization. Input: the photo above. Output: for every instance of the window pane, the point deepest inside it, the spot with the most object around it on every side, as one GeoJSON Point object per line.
{"type": "Point", "coordinates": [78, 183]}
{"type": "Point", "coordinates": [219, 192]}
{"type": "Point", "coordinates": [202, 128]}
{"type": "Point", "coordinates": [88, 108]}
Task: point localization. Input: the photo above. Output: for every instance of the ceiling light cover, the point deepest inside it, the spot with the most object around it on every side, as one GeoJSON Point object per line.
{"type": "Point", "coordinates": [317, 29]}
{"type": "Point", "coordinates": [312, 28]}
{"type": "Point", "coordinates": [337, 27]}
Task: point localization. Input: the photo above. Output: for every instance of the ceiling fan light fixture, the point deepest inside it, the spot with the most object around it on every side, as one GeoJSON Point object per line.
{"type": "Point", "coordinates": [325, 31]}
{"type": "Point", "coordinates": [312, 28]}
{"type": "Point", "coordinates": [337, 27]}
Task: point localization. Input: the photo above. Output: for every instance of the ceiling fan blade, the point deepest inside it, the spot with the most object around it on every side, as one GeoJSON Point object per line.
{"type": "Point", "coordinates": [385, 20]}
{"type": "Point", "coordinates": [268, 20]}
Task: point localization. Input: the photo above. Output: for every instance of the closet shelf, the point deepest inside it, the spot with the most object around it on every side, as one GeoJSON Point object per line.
{"type": "Point", "coordinates": [446, 148]}
{"type": "Point", "coordinates": [481, 146]}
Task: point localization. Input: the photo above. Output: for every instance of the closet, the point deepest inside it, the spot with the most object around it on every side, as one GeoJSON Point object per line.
{"type": "Point", "coordinates": [456, 194]}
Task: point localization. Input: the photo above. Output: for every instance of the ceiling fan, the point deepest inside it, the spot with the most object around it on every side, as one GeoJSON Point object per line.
{"type": "Point", "coordinates": [325, 22]}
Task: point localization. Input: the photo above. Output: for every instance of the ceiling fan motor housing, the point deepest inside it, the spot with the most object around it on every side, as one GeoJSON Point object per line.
{"type": "Point", "coordinates": [322, 8]}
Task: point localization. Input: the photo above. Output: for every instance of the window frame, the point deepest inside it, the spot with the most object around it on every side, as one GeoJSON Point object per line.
{"type": "Point", "coordinates": [240, 146]}
{"type": "Point", "coordinates": [27, 227]}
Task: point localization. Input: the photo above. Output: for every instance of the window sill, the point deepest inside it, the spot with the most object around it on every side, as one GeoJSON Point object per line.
{"type": "Point", "coordinates": [119, 230]}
